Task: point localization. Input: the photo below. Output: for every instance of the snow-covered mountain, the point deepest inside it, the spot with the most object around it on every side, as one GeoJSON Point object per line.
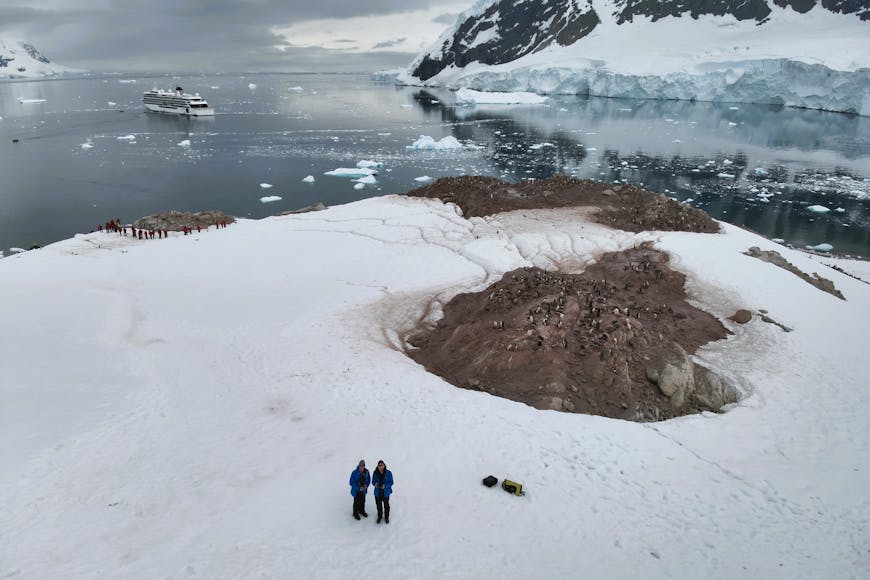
{"type": "Point", "coordinates": [794, 52]}
{"type": "Point", "coordinates": [20, 59]}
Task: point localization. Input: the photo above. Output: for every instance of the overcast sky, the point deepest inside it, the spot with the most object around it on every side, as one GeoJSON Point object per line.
{"type": "Point", "coordinates": [229, 35]}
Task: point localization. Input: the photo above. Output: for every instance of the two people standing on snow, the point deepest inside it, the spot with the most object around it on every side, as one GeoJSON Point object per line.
{"type": "Point", "coordinates": [382, 480]}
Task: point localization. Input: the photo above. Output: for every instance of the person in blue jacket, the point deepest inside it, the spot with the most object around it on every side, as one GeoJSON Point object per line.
{"type": "Point", "coordinates": [359, 487]}
{"type": "Point", "coordinates": [382, 480]}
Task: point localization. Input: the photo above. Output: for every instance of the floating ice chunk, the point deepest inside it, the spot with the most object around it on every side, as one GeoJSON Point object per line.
{"type": "Point", "coordinates": [427, 142]}
{"type": "Point", "coordinates": [725, 175]}
{"type": "Point", "coordinates": [126, 81]}
{"type": "Point", "coordinates": [734, 108]}
{"type": "Point", "coordinates": [732, 124]}
{"type": "Point", "coordinates": [369, 164]}
{"type": "Point", "coordinates": [470, 96]}
{"type": "Point", "coordinates": [537, 146]}
{"type": "Point", "coordinates": [353, 172]}
{"type": "Point", "coordinates": [761, 171]}
{"type": "Point", "coordinates": [406, 106]}
{"type": "Point", "coordinates": [296, 89]}
{"type": "Point", "coordinates": [270, 199]}
{"type": "Point", "coordinates": [677, 141]}
{"type": "Point", "coordinates": [367, 180]}
{"type": "Point", "coordinates": [384, 134]}
{"type": "Point", "coordinates": [359, 185]}
{"type": "Point", "coordinates": [819, 209]}
{"type": "Point", "coordinates": [423, 178]}
{"type": "Point", "coordinates": [252, 86]}
{"type": "Point", "coordinates": [87, 145]}
{"type": "Point", "coordinates": [823, 247]}
{"type": "Point", "coordinates": [309, 179]}
{"type": "Point", "coordinates": [726, 162]}
{"type": "Point", "coordinates": [28, 101]}
{"type": "Point", "coordinates": [127, 138]}
{"type": "Point", "coordinates": [112, 104]}
{"type": "Point", "coordinates": [778, 240]}
{"type": "Point", "coordinates": [185, 143]}
{"type": "Point", "coordinates": [265, 185]}
{"type": "Point", "coordinates": [840, 210]}
{"type": "Point", "coordinates": [17, 250]}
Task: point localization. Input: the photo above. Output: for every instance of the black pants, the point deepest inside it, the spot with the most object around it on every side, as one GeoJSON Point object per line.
{"type": "Point", "coordinates": [383, 504]}
{"type": "Point", "coordinates": [359, 503]}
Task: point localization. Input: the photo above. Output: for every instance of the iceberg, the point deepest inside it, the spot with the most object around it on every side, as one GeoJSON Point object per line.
{"type": "Point", "coordinates": [367, 180]}
{"type": "Point", "coordinates": [353, 172]}
{"type": "Point", "coordinates": [265, 185]}
{"type": "Point", "coordinates": [470, 96]}
{"type": "Point", "coordinates": [270, 199]}
{"type": "Point", "coordinates": [308, 179]}
{"type": "Point", "coordinates": [427, 142]}
{"type": "Point", "coordinates": [818, 209]}
{"type": "Point", "coordinates": [367, 164]}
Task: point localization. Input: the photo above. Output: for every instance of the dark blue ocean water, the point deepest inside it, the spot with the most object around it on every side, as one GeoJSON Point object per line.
{"type": "Point", "coordinates": [752, 165]}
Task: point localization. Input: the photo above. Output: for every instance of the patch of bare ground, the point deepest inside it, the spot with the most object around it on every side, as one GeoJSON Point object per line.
{"type": "Point", "coordinates": [615, 341]}
{"type": "Point", "coordinates": [174, 221]}
{"type": "Point", "coordinates": [621, 206]}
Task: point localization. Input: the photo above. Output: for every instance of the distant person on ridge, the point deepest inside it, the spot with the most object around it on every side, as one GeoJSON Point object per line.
{"type": "Point", "coordinates": [382, 480]}
{"type": "Point", "coordinates": [359, 487]}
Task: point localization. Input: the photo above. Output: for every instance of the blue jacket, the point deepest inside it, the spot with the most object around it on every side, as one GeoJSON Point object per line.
{"type": "Point", "coordinates": [359, 481]}
{"type": "Point", "coordinates": [386, 480]}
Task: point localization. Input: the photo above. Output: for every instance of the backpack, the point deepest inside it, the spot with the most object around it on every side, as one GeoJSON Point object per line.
{"type": "Point", "coordinates": [512, 487]}
{"type": "Point", "coordinates": [489, 481]}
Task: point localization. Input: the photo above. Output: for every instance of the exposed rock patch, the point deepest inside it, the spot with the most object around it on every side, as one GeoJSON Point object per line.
{"type": "Point", "coordinates": [623, 207]}
{"type": "Point", "coordinates": [613, 341]}
{"type": "Point", "coordinates": [176, 220]}
{"type": "Point", "coordinates": [776, 259]}
{"type": "Point", "coordinates": [742, 316]}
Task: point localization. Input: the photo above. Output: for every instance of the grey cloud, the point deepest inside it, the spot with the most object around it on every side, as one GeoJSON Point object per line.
{"type": "Point", "coordinates": [390, 43]}
{"type": "Point", "coordinates": [218, 35]}
{"type": "Point", "coordinates": [448, 19]}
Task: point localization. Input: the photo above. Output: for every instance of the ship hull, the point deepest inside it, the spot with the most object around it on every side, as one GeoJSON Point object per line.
{"type": "Point", "coordinates": [190, 112]}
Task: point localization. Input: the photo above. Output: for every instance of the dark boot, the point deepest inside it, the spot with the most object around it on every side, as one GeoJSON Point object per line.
{"type": "Point", "coordinates": [356, 516]}
{"type": "Point", "coordinates": [379, 519]}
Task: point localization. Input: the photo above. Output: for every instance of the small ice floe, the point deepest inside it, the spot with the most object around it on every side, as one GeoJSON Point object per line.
{"type": "Point", "coordinates": [732, 124]}
{"type": "Point", "coordinates": [126, 81]}
{"type": "Point", "coordinates": [676, 141]}
{"type": "Point", "coordinates": [733, 108]}
{"type": "Point", "coordinates": [29, 101]}
{"type": "Point", "coordinates": [17, 250]}
{"type": "Point", "coordinates": [537, 146]}
{"type": "Point", "coordinates": [624, 109]}
{"type": "Point", "coordinates": [367, 164]}
{"type": "Point", "coordinates": [367, 180]}
{"type": "Point", "coordinates": [725, 175]}
{"type": "Point", "coordinates": [252, 86]}
{"type": "Point", "coordinates": [296, 89]}
{"type": "Point", "coordinates": [777, 240]}
{"type": "Point", "coordinates": [726, 162]}
{"type": "Point", "coordinates": [87, 145]}
{"type": "Point", "coordinates": [818, 209]}
{"type": "Point", "coordinates": [760, 171]}
{"type": "Point", "coordinates": [270, 199]}
{"type": "Point", "coordinates": [384, 134]}
{"type": "Point", "coordinates": [427, 142]}
{"type": "Point", "coordinates": [359, 185]}
{"type": "Point", "coordinates": [309, 179]}
{"type": "Point", "coordinates": [185, 143]}
{"type": "Point", "coordinates": [423, 178]}
{"type": "Point", "coordinates": [406, 106]}
{"type": "Point", "coordinates": [592, 149]}
{"type": "Point", "coordinates": [840, 210]}
{"type": "Point", "coordinates": [127, 138]}
{"type": "Point", "coordinates": [469, 96]}
{"type": "Point", "coordinates": [563, 109]}
{"type": "Point", "coordinates": [265, 185]}
{"type": "Point", "coordinates": [112, 104]}
{"type": "Point", "coordinates": [352, 172]}
{"type": "Point", "coordinates": [822, 247]}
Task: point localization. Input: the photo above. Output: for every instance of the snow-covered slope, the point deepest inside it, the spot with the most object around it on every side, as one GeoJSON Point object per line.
{"type": "Point", "coordinates": [793, 52]}
{"type": "Point", "coordinates": [19, 59]}
{"type": "Point", "coordinates": [193, 408]}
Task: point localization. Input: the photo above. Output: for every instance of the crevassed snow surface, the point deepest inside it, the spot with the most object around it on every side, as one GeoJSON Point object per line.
{"type": "Point", "coordinates": [21, 58]}
{"type": "Point", "coordinates": [184, 431]}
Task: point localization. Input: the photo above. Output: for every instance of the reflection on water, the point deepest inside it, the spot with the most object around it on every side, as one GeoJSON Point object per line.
{"type": "Point", "coordinates": [756, 166]}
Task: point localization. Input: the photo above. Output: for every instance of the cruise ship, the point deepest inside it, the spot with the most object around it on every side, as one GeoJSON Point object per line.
{"type": "Point", "coordinates": [176, 103]}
